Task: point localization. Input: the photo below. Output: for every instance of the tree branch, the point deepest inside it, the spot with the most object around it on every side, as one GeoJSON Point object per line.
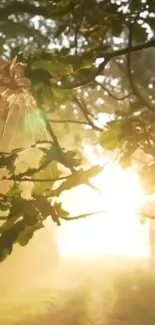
{"type": "Point", "coordinates": [129, 48]}
{"type": "Point", "coordinates": [76, 100]}
{"type": "Point", "coordinates": [107, 56]}
{"type": "Point", "coordinates": [112, 95]}
{"type": "Point", "coordinates": [25, 179]}
{"type": "Point", "coordinates": [86, 109]}
{"type": "Point", "coordinates": [81, 216]}
{"type": "Point", "coordinates": [69, 121]}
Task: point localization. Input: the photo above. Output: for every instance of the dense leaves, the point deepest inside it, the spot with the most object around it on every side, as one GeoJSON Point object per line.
{"type": "Point", "coordinates": [25, 216]}
{"type": "Point", "coordinates": [63, 65]}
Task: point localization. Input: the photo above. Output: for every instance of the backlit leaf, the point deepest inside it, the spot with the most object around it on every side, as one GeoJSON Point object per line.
{"type": "Point", "coordinates": [24, 236]}
{"type": "Point", "coordinates": [49, 172]}
{"type": "Point", "coordinates": [109, 140]}
{"type": "Point", "coordinates": [78, 178]}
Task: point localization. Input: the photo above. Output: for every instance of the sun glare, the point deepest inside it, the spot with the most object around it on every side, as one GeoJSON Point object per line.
{"type": "Point", "coordinates": [117, 230]}
{"type": "Point", "coordinates": [120, 189]}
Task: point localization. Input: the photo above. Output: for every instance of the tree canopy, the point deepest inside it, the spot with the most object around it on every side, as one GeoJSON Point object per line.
{"type": "Point", "coordinates": [64, 64]}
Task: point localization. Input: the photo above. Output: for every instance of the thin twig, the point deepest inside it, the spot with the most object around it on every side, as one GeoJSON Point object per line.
{"type": "Point", "coordinates": [107, 57]}
{"type": "Point", "coordinates": [112, 95]}
{"type": "Point", "coordinates": [86, 109]}
{"type": "Point", "coordinates": [69, 121]}
{"type": "Point", "coordinates": [81, 216]}
{"type": "Point", "coordinates": [95, 127]}
{"type": "Point", "coordinates": [25, 179]}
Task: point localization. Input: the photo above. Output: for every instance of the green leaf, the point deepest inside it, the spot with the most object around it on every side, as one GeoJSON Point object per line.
{"type": "Point", "coordinates": [4, 253]}
{"type": "Point", "coordinates": [108, 140]}
{"type": "Point", "coordinates": [14, 191]}
{"type": "Point", "coordinates": [117, 27]}
{"type": "Point", "coordinates": [8, 224]}
{"type": "Point", "coordinates": [50, 154]}
{"type": "Point", "coordinates": [11, 28]}
{"type": "Point", "coordinates": [38, 76]}
{"type": "Point", "coordinates": [46, 209]}
{"type": "Point", "coordinates": [130, 148]}
{"type": "Point", "coordinates": [61, 96]}
{"type": "Point", "coordinates": [4, 205]}
{"type": "Point", "coordinates": [8, 238]}
{"type": "Point", "coordinates": [55, 67]}
{"type": "Point", "coordinates": [125, 160]}
{"type": "Point", "coordinates": [17, 208]}
{"type": "Point", "coordinates": [50, 172]}
{"type": "Point", "coordinates": [7, 160]}
{"type": "Point", "coordinates": [65, 51]}
{"type": "Point", "coordinates": [71, 158]}
{"type": "Point", "coordinates": [25, 235]}
{"type": "Point", "coordinates": [54, 153]}
{"type": "Point", "coordinates": [78, 178]}
{"type": "Point", "coordinates": [61, 213]}
{"type": "Point", "coordinates": [61, 29]}
{"type": "Point", "coordinates": [140, 33]}
{"type": "Point", "coordinates": [77, 79]}
{"type": "Point", "coordinates": [136, 5]}
{"type": "Point", "coordinates": [111, 137]}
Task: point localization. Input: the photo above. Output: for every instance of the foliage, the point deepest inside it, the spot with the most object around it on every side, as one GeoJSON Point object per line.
{"type": "Point", "coordinates": [25, 216]}
{"type": "Point", "coordinates": [53, 54]}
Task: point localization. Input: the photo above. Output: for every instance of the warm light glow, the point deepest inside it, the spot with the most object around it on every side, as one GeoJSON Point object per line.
{"type": "Point", "coordinates": [120, 190]}
{"type": "Point", "coordinates": [117, 231]}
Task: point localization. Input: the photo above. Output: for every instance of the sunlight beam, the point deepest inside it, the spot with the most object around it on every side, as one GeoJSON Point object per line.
{"type": "Point", "coordinates": [117, 232]}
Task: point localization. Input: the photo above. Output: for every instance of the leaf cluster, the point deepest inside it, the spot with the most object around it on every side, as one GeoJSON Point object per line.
{"type": "Point", "coordinates": [23, 216]}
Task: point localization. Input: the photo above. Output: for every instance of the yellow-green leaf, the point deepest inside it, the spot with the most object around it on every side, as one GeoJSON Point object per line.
{"type": "Point", "coordinates": [50, 172]}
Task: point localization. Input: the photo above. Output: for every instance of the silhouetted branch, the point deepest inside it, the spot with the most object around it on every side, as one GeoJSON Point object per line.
{"type": "Point", "coordinates": [69, 121]}
{"type": "Point", "coordinates": [82, 108]}
{"type": "Point", "coordinates": [86, 109]}
{"type": "Point", "coordinates": [81, 216]}
{"type": "Point", "coordinates": [107, 56]}
{"type": "Point", "coordinates": [25, 179]}
{"type": "Point", "coordinates": [112, 95]}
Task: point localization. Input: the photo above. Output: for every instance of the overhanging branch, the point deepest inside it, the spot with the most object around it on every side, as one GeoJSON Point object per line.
{"type": "Point", "coordinates": [82, 216]}
{"type": "Point", "coordinates": [107, 56]}
{"type": "Point", "coordinates": [69, 121]}
{"type": "Point", "coordinates": [35, 180]}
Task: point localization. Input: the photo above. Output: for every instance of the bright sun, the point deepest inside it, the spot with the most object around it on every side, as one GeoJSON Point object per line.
{"type": "Point", "coordinates": [117, 231]}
